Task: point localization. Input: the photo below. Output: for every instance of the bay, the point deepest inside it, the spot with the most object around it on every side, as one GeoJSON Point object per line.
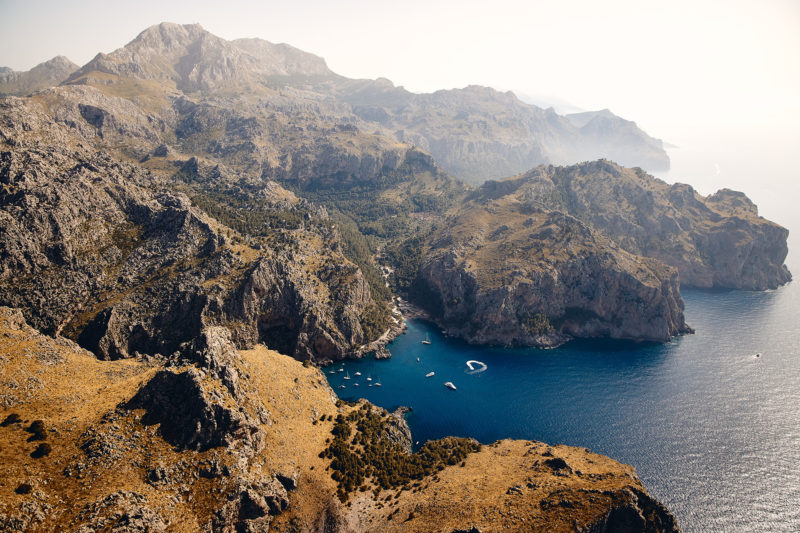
{"type": "Point", "coordinates": [712, 430]}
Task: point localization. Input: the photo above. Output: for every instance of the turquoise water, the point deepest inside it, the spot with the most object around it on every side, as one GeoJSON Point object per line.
{"type": "Point", "coordinates": [713, 432]}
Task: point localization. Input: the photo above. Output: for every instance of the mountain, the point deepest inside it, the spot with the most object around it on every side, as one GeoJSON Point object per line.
{"type": "Point", "coordinates": [588, 250]}
{"type": "Point", "coordinates": [503, 270]}
{"type": "Point", "coordinates": [227, 440]}
{"type": "Point", "coordinates": [716, 241]}
{"type": "Point", "coordinates": [478, 133]}
{"type": "Point", "coordinates": [475, 133]}
{"type": "Point", "coordinates": [42, 76]}
{"type": "Point", "coordinates": [195, 60]}
{"type": "Point", "coordinates": [104, 252]}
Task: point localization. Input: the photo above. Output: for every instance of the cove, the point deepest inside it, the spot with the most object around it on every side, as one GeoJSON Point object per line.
{"type": "Point", "coordinates": [712, 430]}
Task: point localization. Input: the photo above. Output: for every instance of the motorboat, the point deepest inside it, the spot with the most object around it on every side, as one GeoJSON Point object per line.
{"type": "Point", "coordinates": [449, 385]}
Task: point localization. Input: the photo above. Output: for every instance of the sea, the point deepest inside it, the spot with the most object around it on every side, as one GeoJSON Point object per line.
{"type": "Point", "coordinates": [712, 430]}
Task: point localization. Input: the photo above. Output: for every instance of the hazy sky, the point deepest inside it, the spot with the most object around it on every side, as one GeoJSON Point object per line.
{"type": "Point", "coordinates": [689, 72]}
{"type": "Point", "coordinates": [727, 62]}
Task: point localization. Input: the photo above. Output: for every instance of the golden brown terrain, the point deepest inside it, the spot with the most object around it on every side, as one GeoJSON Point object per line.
{"type": "Point", "coordinates": [110, 468]}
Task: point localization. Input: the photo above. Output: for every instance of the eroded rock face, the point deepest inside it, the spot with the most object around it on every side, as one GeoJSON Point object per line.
{"type": "Point", "coordinates": [251, 507]}
{"type": "Point", "coordinates": [541, 277]}
{"type": "Point", "coordinates": [716, 241]}
{"type": "Point", "coordinates": [98, 250]}
{"type": "Point", "coordinates": [190, 415]}
{"type": "Point", "coordinates": [120, 511]}
{"type": "Point", "coordinates": [634, 511]}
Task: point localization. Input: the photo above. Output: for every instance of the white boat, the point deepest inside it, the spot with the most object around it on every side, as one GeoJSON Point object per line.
{"type": "Point", "coordinates": [342, 387]}
{"type": "Point", "coordinates": [358, 373]}
{"type": "Point", "coordinates": [355, 384]}
{"type": "Point", "coordinates": [449, 385]}
{"type": "Point", "coordinates": [340, 370]}
{"type": "Point", "coordinates": [369, 378]}
{"type": "Point", "coordinates": [471, 364]}
{"type": "Point", "coordinates": [430, 374]}
{"type": "Point", "coordinates": [377, 383]}
{"type": "Point", "coordinates": [347, 376]}
{"type": "Point", "coordinates": [427, 340]}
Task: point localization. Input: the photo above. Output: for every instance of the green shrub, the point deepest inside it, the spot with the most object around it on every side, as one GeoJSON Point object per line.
{"type": "Point", "coordinates": [41, 450]}
{"type": "Point", "coordinates": [37, 431]}
{"type": "Point", "coordinates": [24, 488]}
{"type": "Point", "coordinates": [369, 454]}
{"type": "Point", "coordinates": [13, 418]}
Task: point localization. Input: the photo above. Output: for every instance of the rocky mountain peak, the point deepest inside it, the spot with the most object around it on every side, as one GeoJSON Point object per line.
{"type": "Point", "coordinates": [196, 60]}
{"type": "Point", "coordinates": [42, 76]}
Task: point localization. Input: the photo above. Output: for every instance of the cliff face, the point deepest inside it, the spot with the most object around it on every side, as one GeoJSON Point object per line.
{"type": "Point", "coordinates": [717, 241]}
{"type": "Point", "coordinates": [227, 440]}
{"type": "Point", "coordinates": [99, 250]}
{"type": "Point", "coordinates": [504, 273]}
{"type": "Point", "coordinates": [477, 133]}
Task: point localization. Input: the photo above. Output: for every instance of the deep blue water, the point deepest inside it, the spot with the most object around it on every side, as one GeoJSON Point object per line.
{"type": "Point", "coordinates": [713, 432]}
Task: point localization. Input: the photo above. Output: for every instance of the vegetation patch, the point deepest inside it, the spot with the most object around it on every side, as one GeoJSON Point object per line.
{"type": "Point", "coordinates": [537, 324]}
{"type": "Point", "coordinates": [41, 450]}
{"type": "Point", "coordinates": [13, 418]}
{"type": "Point", "coordinates": [362, 452]}
{"type": "Point", "coordinates": [37, 431]}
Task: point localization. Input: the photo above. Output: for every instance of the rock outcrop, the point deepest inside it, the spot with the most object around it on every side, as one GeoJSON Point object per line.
{"type": "Point", "coordinates": [114, 260]}
{"type": "Point", "coordinates": [717, 241]}
{"type": "Point", "coordinates": [478, 133]}
{"type": "Point", "coordinates": [189, 415]}
{"type": "Point", "coordinates": [634, 510]}
{"type": "Point", "coordinates": [504, 273]}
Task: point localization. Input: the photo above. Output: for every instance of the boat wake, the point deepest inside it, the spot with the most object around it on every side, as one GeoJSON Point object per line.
{"type": "Point", "coordinates": [481, 367]}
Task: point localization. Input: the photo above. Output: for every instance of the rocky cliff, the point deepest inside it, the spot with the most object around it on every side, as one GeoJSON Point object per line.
{"type": "Point", "coordinates": [504, 272]}
{"type": "Point", "coordinates": [716, 241]}
{"type": "Point", "coordinates": [225, 440]}
{"type": "Point", "coordinates": [101, 251]}
{"type": "Point", "coordinates": [478, 133]}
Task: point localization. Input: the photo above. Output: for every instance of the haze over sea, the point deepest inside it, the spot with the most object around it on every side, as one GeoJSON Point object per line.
{"type": "Point", "coordinates": [712, 430]}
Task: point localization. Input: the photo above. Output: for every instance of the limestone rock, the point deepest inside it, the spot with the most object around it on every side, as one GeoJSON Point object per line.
{"type": "Point", "coordinates": [191, 415]}
{"type": "Point", "coordinates": [44, 75]}
{"type": "Point", "coordinates": [544, 278]}
{"type": "Point", "coordinates": [718, 241]}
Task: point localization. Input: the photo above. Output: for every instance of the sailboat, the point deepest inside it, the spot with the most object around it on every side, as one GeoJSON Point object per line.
{"type": "Point", "coordinates": [377, 383]}
{"type": "Point", "coordinates": [369, 378]}
{"type": "Point", "coordinates": [347, 376]}
{"type": "Point", "coordinates": [427, 339]}
{"type": "Point", "coordinates": [358, 373]}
